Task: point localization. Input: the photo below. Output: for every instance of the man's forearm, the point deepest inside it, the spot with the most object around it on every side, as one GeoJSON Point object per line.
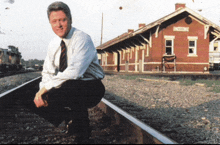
{"type": "Point", "coordinates": [40, 93]}
{"type": "Point", "coordinates": [38, 98]}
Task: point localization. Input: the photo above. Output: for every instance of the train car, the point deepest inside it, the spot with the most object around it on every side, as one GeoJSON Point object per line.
{"type": "Point", "coordinates": [14, 58]}
{"type": "Point", "coordinates": [4, 60]}
{"type": "Point", "coordinates": [10, 59]}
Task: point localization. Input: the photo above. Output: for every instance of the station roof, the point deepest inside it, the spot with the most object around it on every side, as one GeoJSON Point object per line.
{"type": "Point", "coordinates": [138, 37]}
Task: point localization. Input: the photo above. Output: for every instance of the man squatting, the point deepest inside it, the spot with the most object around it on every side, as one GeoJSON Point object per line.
{"type": "Point", "coordinates": [71, 91]}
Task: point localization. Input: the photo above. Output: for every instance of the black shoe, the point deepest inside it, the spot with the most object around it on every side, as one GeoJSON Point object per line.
{"type": "Point", "coordinates": [70, 129]}
{"type": "Point", "coordinates": [67, 119]}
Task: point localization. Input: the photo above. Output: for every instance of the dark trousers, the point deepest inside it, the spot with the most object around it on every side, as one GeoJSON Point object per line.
{"type": "Point", "coordinates": [79, 96]}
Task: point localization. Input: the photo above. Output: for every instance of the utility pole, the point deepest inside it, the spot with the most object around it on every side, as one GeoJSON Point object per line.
{"type": "Point", "coordinates": [101, 29]}
{"type": "Point", "coordinates": [101, 42]}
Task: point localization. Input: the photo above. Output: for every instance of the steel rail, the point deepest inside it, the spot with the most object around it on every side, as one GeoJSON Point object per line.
{"type": "Point", "coordinates": [18, 87]}
{"type": "Point", "coordinates": [146, 134]}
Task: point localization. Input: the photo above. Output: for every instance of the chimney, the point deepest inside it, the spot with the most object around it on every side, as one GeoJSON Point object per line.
{"type": "Point", "coordinates": [130, 31]}
{"type": "Point", "coordinates": [141, 25]}
{"type": "Point", "coordinates": [180, 5]}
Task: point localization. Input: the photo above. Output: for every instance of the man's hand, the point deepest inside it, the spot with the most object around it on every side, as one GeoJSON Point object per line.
{"type": "Point", "coordinates": [38, 98]}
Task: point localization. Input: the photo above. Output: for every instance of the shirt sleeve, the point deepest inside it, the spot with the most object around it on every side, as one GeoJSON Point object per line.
{"type": "Point", "coordinates": [83, 54]}
{"type": "Point", "coordinates": [48, 71]}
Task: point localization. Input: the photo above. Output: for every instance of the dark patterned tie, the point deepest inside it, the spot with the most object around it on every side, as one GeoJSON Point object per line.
{"type": "Point", "coordinates": [63, 58]}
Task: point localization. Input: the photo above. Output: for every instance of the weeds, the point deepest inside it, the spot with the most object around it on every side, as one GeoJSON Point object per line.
{"type": "Point", "coordinates": [129, 77]}
{"type": "Point", "coordinates": [214, 85]}
{"type": "Point", "coordinates": [133, 77]}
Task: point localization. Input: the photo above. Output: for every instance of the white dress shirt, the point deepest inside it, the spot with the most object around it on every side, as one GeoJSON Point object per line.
{"type": "Point", "coordinates": [82, 60]}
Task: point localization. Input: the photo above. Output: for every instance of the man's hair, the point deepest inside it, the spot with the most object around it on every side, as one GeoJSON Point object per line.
{"type": "Point", "coordinates": [57, 6]}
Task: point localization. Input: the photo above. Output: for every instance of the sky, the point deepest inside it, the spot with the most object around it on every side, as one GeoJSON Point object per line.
{"type": "Point", "coordinates": [24, 23]}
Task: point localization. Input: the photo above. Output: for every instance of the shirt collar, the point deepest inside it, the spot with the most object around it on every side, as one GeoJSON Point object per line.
{"type": "Point", "coordinates": [69, 36]}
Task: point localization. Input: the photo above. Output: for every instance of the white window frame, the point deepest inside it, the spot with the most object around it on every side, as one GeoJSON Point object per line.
{"type": "Point", "coordinates": [217, 48]}
{"type": "Point", "coordinates": [170, 38]}
{"type": "Point", "coordinates": [192, 38]}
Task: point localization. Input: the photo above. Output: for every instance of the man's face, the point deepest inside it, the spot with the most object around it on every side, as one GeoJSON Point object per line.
{"type": "Point", "coordinates": [60, 23]}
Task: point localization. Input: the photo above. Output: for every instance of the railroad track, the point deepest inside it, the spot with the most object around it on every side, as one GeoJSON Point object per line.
{"type": "Point", "coordinates": [9, 73]}
{"type": "Point", "coordinates": [141, 132]}
{"type": "Point", "coordinates": [21, 123]}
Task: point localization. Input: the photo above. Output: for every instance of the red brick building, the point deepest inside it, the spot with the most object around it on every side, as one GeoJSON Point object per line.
{"type": "Point", "coordinates": [178, 42]}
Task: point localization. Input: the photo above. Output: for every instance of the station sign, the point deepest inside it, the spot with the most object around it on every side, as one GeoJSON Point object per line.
{"type": "Point", "coordinates": [181, 29]}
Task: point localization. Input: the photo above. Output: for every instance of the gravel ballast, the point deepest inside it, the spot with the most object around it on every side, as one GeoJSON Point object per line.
{"type": "Point", "coordinates": [186, 114]}
{"type": "Point", "coordinates": [10, 82]}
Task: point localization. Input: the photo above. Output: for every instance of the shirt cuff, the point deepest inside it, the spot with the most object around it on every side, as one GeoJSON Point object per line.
{"type": "Point", "coordinates": [48, 86]}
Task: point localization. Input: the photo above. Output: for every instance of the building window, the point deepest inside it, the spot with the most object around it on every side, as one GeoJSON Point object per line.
{"type": "Point", "coordinates": [192, 46]}
{"type": "Point", "coordinates": [169, 45]}
{"type": "Point", "coordinates": [216, 46]}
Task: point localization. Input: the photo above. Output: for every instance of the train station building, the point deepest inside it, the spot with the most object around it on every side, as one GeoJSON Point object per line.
{"type": "Point", "coordinates": [183, 41]}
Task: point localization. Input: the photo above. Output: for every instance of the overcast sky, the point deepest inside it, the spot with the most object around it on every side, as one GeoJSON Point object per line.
{"type": "Point", "coordinates": [24, 23]}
